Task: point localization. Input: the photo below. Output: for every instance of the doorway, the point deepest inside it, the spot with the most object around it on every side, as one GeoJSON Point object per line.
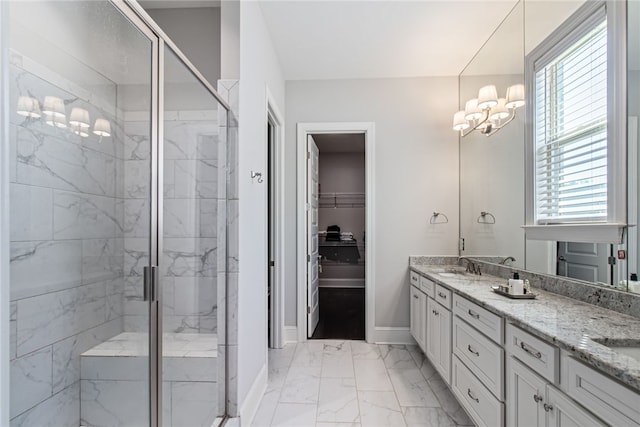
{"type": "Point", "coordinates": [274, 140]}
{"type": "Point", "coordinates": [341, 236]}
{"type": "Point", "coordinates": [335, 231]}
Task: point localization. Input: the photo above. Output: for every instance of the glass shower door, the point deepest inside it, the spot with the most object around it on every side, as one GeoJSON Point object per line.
{"type": "Point", "coordinates": [193, 248]}
{"type": "Point", "coordinates": [82, 191]}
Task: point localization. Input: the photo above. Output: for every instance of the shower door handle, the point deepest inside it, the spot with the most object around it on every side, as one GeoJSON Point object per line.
{"type": "Point", "coordinates": [150, 283]}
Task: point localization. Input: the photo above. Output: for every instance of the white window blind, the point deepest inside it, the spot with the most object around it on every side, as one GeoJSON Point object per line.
{"type": "Point", "coordinates": [571, 133]}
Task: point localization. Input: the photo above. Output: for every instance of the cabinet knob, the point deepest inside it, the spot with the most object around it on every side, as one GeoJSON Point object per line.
{"type": "Point", "coordinates": [548, 407]}
{"type": "Point", "coordinates": [537, 398]}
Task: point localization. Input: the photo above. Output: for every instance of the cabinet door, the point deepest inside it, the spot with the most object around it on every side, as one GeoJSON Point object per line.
{"type": "Point", "coordinates": [433, 332]}
{"type": "Point", "coordinates": [444, 360]}
{"type": "Point", "coordinates": [525, 396]}
{"type": "Point", "coordinates": [424, 319]}
{"type": "Point", "coordinates": [439, 338]}
{"type": "Point", "coordinates": [562, 412]}
{"type": "Point", "coordinates": [417, 315]}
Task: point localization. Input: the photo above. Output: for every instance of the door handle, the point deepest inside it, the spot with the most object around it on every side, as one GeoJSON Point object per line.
{"type": "Point", "coordinates": [150, 283]}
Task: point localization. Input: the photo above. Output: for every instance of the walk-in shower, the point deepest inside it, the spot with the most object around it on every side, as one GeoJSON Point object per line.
{"type": "Point", "coordinates": [114, 172]}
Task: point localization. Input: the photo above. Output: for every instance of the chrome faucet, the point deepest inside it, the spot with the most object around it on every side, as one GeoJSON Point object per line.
{"type": "Point", "coordinates": [509, 258]}
{"type": "Point", "coordinates": [472, 267]}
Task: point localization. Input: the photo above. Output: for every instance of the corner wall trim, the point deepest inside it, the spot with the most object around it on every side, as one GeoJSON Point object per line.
{"type": "Point", "coordinates": [393, 335]}
{"type": "Point", "coordinates": [290, 334]}
{"type": "Point", "coordinates": [254, 397]}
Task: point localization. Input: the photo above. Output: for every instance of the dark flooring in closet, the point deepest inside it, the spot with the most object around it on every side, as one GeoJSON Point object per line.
{"type": "Point", "coordinates": [341, 314]}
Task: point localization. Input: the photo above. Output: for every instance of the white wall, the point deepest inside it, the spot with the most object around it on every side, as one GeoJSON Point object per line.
{"type": "Point", "coordinates": [196, 32]}
{"type": "Point", "coordinates": [416, 173]}
{"type": "Point", "coordinates": [342, 173]}
{"type": "Point", "coordinates": [259, 69]}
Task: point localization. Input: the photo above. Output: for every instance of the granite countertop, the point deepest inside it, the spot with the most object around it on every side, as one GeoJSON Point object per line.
{"type": "Point", "coordinates": [570, 324]}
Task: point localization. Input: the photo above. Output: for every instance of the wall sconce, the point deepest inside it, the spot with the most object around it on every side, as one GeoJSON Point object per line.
{"type": "Point", "coordinates": [488, 113]}
{"type": "Point", "coordinates": [79, 122]}
{"type": "Point", "coordinates": [53, 109]}
{"type": "Point", "coordinates": [28, 107]}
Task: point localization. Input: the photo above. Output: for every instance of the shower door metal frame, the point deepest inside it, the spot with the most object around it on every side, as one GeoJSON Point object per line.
{"type": "Point", "coordinates": [150, 280]}
{"type": "Point", "coordinates": [139, 17]}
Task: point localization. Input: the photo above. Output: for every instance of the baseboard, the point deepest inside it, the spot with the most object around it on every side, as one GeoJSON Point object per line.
{"type": "Point", "coordinates": [393, 335]}
{"type": "Point", "coordinates": [290, 334]}
{"type": "Point", "coordinates": [250, 405]}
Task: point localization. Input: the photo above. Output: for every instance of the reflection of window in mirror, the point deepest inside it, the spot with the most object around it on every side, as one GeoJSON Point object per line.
{"type": "Point", "coordinates": [573, 164]}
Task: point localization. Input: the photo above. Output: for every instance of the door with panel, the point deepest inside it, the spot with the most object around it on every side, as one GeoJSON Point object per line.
{"type": "Point", "coordinates": [525, 396]}
{"type": "Point", "coordinates": [313, 265]}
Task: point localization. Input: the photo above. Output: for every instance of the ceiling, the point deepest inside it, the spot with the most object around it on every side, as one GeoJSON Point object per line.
{"type": "Point", "coordinates": [379, 39]}
{"type": "Point", "coordinates": [174, 4]}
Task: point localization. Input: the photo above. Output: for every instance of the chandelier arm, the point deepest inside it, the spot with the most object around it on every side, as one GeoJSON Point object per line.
{"type": "Point", "coordinates": [484, 120]}
{"type": "Point", "coordinates": [497, 128]}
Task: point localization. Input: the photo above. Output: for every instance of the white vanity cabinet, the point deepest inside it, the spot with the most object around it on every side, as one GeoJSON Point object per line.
{"type": "Point", "coordinates": [532, 397]}
{"type": "Point", "coordinates": [478, 362]}
{"type": "Point", "coordinates": [418, 316]}
{"type": "Point", "coordinates": [439, 338]}
{"type": "Point", "coordinates": [508, 375]}
{"type": "Point", "coordinates": [534, 402]}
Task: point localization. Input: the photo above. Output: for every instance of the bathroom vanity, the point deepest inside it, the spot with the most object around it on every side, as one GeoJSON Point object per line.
{"type": "Point", "coordinates": [549, 361]}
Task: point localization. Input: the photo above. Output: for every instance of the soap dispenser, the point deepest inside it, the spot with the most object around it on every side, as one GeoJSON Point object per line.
{"type": "Point", "coordinates": [516, 285]}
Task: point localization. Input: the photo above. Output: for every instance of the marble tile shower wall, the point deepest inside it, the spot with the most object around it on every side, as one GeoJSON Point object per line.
{"type": "Point", "coordinates": [189, 264]}
{"type": "Point", "coordinates": [67, 211]}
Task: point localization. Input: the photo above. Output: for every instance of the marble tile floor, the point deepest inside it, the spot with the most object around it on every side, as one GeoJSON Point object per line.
{"type": "Point", "coordinates": [322, 383]}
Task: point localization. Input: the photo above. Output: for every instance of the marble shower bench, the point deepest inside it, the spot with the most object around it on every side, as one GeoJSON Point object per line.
{"type": "Point", "coordinates": [114, 381]}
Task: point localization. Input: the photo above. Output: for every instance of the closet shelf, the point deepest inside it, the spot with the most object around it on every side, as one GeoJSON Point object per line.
{"type": "Point", "coordinates": [341, 200]}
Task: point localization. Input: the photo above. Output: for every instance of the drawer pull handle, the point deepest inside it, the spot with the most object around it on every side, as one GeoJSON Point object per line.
{"type": "Point", "coordinates": [548, 407]}
{"type": "Point", "coordinates": [435, 312]}
{"type": "Point", "coordinates": [537, 398]}
{"type": "Point", "coordinates": [471, 350]}
{"type": "Point", "coordinates": [474, 314]}
{"type": "Point", "coordinates": [441, 295]}
{"type": "Point", "coordinates": [472, 396]}
{"type": "Point", "coordinates": [526, 348]}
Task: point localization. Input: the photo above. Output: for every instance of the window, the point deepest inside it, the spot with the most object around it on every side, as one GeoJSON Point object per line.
{"type": "Point", "coordinates": [576, 129]}
{"type": "Point", "coordinates": [571, 132]}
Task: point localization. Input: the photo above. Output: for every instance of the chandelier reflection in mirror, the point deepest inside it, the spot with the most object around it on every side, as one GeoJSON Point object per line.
{"type": "Point", "coordinates": [55, 115]}
{"type": "Point", "coordinates": [487, 113]}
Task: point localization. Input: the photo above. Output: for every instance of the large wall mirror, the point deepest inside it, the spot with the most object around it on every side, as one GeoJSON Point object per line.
{"type": "Point", "coordinates": [492, 167]}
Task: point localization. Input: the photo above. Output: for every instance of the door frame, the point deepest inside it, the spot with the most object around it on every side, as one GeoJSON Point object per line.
{"type": "Point", "coordinates": [304, 129]}
{"type": "Point", "coordinates": [276, 320]}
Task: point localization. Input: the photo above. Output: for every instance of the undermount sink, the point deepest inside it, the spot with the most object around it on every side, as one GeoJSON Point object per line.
{"type": "Point", "coordinates": [451, 273]}
{"type": "Point", "coordinates": [629, 348]}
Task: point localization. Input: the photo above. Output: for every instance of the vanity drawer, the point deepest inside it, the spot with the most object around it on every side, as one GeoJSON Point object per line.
{"type": "Point", "coordinates": [483, 407]}
{"type": "Point", "coordinates": [533, 352]}
{"type": "Point", "coordinates": [483, 320]}
{"type": "Point", "coordinates": [483, 356]}
{"type": "Point", "coordinates": [414, 279]}
{"type": "Point", "coordinates": [428, 286]}
{"type": "Point", "coordinates": [443, 296]}
{"type": "Point", "coordinates": [614, 403]}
